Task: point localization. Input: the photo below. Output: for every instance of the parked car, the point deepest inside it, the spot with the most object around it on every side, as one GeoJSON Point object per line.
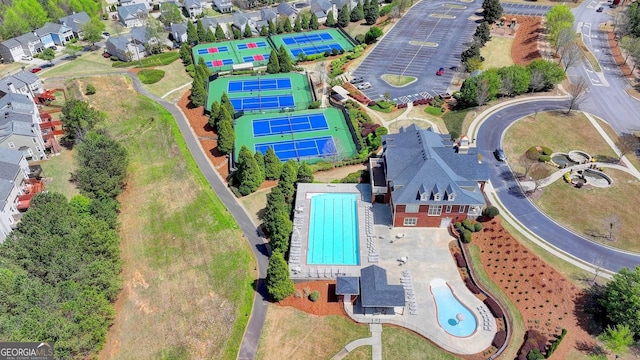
{"type": "Point", "coordinates": [27, 57]}
{"type": "Point", "coordinates": [600, 9]}
{"type": "Point", "coordinates": [363, 86]}
{"type": "Point", "coordinates": [106, 55]}
{"type": "Point", "coordinates": [106, 34]}
{"type": "Point", "coordinates": [440, 71]}
{"type": "Point", "coordinates": [499, 154]}
{"type": "Point", "coordinates": [53, 47]}
{"type": "Point", "coordinates": [35, 70]}
{"type": "Point", "coordinates": [357, 79]}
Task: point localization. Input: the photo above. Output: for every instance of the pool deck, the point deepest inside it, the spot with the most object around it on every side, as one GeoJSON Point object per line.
{"type": "Point", "coordinates": [428, 258]}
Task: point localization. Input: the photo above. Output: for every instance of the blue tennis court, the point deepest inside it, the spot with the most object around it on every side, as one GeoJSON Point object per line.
{"type": "Point", "coordinates": [295, 149]}
{"type": "Point", "coordinates": [258, 85]}
{"type": "Point", "coordinates": [213, 50]}
{"type": "Point", "coordinates": [263, 102]}
{"type": "Point", "coordinates": [306, 38]}
{"type": "Point", "coordinates": [252, 45]}
{"type": "Point", "coordinates": [316, 49]}
{"type": "Point", "coordinates": [218, 63]}
{"type": "Point", "coordinates": [258, 57]}
{"type": "Point", "coordinates": [289, 124]}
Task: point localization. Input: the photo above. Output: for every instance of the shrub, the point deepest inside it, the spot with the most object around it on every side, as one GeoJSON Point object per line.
{"type": "Point", "coordinates": [114, 58]}
{"type": "Point", "coordinates": [532, 153]}
{"type": "Point", "coordinates": [467, 224]}
{"type": "Point", "coordinates": [314, 296]}
{"type": "Point", "coordinates": [491, 212]}
{"type": "Point", "coordinates": [544, 158]}
{"type": "Point", "coordinates": [150, 76]}
{"type": "Point", "coordinates": [460, 260]}
{"type": "Point", "coordinates": [555, 343]}
{"type": "Point", "coordinates": [499, 339]}
{"type": "Point", "coordinates": [471, 286]}
{"type": "Point", "coordinates": [352, 178]}
{"type": "Point", "coordinates": [90, 90]}
{"type": "Point", "coordinates": [535, 354]}
{"type": "Point", "coordinates": [546, 150]}
{"type": "Point", "coordinates": [494, 307]}
{"type": "Point", "coordinates": [314, 104]}
{"type": "Point", "coordinates": [477, 227]}
{"type": "Point", "coordinates": [467, 236]}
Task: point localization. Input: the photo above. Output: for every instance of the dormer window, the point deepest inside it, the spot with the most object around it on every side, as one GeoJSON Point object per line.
{"type": "Point", "coordinates": [436, 197]}
{"type": "Point", "coordinates": [451, 197]}
{"type": "Point", "coordinates": [424, 197]}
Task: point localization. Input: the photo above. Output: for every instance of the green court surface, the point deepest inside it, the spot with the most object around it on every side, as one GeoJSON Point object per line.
{"type": "Point", "coordinates": [258, 93]}
{"type": "Point", "coordinates": [336, 130]}
{"type": "Point", "coordinates": [312, 42]}
{"type": "Point", "coordinates": [221, 56]}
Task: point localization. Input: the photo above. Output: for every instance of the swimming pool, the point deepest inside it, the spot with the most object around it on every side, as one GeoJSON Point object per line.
{"type": "Point", "coordinates": [333, 230]}
{"type": "Point", "coordinates": [450, 311]}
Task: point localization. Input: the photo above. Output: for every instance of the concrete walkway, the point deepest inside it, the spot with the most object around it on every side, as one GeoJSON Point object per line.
{"type": "Point", "coordinates": [375, 341]}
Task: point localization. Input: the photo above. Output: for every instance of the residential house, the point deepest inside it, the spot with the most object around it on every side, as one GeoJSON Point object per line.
{"type": "Point", "coordinates": [11, 50]}
{"type": "Point", "coordinates": [22, 82]}
{"type": "Point", "coordinates": [240, 20]}
{"type": "Point", "coordinates": [321, 8]}
{"type": "Point", "coordinates": [54, 34]}
{"type": "Point", "coordinates": [133, 15]}
{"type": "Point", "coordinates": [146, 3]}
{"type": "Point", "coordinates": [266, 15]}
{"type": "Point", "coordinates": [223, 6]}
{"type": "Point", "coordinates": [339, 4]}
{"type": "Point", "coordinates": [75, 22]}
{"type": "Point", "coordinates": [179, 32]}
{"type": "Point", "coordinates": [140, 36]}
{"type": "Point", "coordinates": [427, 179]}
{"type": "Point", "coordinates": [30, 43]}
{"type": "Point", "coordinates": [20, 126]}
{"type": "Point", "coordinates": [124, 48]}
{"type": "Point", "coordinates": [285, 9]}
{"type": "Point", "coordinates": [372, 293]}
{"type": "Point", "coordinates": [223, 21]}
{"type": "Point", "coordinates": [193, 8]}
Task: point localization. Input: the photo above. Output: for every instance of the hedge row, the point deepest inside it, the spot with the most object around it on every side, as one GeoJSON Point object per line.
{"type": "Point", "coordinates": [555, 343]}
{"type": "Point", "coordinates": [499, 339]}
{"type": "Point", "coordinates": [534, 341]}
{"type": "Point", "coordinates": [494, 307]}
{"type": "Point", "coordinates": [472, 286]}
{"type": "Point", "coordinates": [460, 260]}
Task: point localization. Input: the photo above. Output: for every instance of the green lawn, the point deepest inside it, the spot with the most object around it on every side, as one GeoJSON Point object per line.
{"type": "Point", "coordinates": [88, 64]}
{"type": "Point", "coordinates": [187, 269]}
{"type": "Point", "coordinates": [398, 343]}
{"type": "Point", "coordinates": [174, 77]}
{"type": "Point", "coordinates": [454, 120]}
{"type": "Point", "coordinates": [398, 80]}
{"type": "Point", "coordinates": [57, 173]}
{"type": "Point", "coordinates": [497, 52]}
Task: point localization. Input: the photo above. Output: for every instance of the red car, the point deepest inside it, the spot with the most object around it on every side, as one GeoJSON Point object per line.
{"type": "Point", "coordinates": [106, 55]}
{"type": "Point", "coordinates": [440, 72]}
{"type": "Point", "coordinates": [35, 70]}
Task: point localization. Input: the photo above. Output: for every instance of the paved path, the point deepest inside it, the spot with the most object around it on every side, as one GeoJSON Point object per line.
{"type": "Point", "coordinates": [375, 341]}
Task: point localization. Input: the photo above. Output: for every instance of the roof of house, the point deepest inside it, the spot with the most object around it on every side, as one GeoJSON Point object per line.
{"type": "Point", "coordinates": [179, 29]}
{"type": "Point", "coordinates": [190, 4]}
{"type": "Point", "coordinates": [5, 191]}
{"type": "Point", "coordinates": [25, 76]}
{"type": "Point", "coordinates": [131, 11]}
{"type": "Point", "coordinates": [347, 285]}
{"type": "Point", "coordinates": [320, 6]}
{"type": "Point", "coordinates": [10, 43]}
{"type": "Point", "coordinates": [213, 22]}
{"type": "Point", "coordinates": [75, 21]}
{"type": "Point", "coordinates": [286, 9]}
{"type": "Point", "coordinates": [8, 156]}
{"type": "Point", "coordinates": [16, 102]}
{"type": "Point", "coordinates": [139, 34]}
{"type": "Point", "coordinates": [121, 43]}
{"type": "Point", "coordinates": [422, 162]}
{"type": "Point", "coordinates": [27, 38]}
{"type": "Point", "coordinates": [51, 28]}
{"type": "Point", "coordinates": [268, 14]}
{"type": "Point", "coordinates": [376, 292]}
{"type": "Point", "coordinates": [240, 19]}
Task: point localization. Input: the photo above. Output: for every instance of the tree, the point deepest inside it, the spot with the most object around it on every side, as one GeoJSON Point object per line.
{"type": "Point", "coordinates": [185, 54]}
{"type": "Point", "coordinates": [201, 32]}
{"type": "Point", "coordinates": [90, 89]}
{"type": "Point", "coordinates": [631, 20]}
{"type": "Point", "coordinates": [527, 163]}
{"type": "Point", "coordinates": [170, 13]}
{"type": "Point", "coordinates": [358, 13]}
{"type": "Point", "coordinates": [279, 26]}
{"type": "Point", "coordinates": [576, 90]}
{"type": "Point", "coordinates": [330, 22]}
{"type": "Point", "coordinates": [621, 299]}
{"type": "Point", "coordinates": [519, 78]}
{"type": "Point", "coordinates": [272, 165]}
{"type": "Point", "coordinates": [287, 25]}
{"type": "Point", "coordinates": [272, 27]}
{"type": "Point", "coordinates": [226, 134]}
{"type": "Point", "coordinates": [198, 87]}
{"type": "Point", "coordinates": [264, 30]}
{"type": "Point", "coordinates": [558, 18]}
{"type": "Point", "coordinates": [192, 33]}
{"type": "Point", "coordinates": [314, 24]}
{"type": "Point", "coordinates": [13, 25]}
{"type": "Point", "coordinates": [48, 54]}
{"type": "Point", "coordinates": [483, 33]}
{"type": "Point", "coordinates": [92, 31]}
{"type": "Point", "coordinates": [226, 103]}
{"type": "Point", "coordinates": [279, 285]}
{"type": "Point", "coordinates": [570, 55]}
{"type": "Point", "coordinates": [305, 20]}
{"type": "Point", "coordinates": [155, 32]}
{"type": "Point", "coordinates": [247, 31]}
{"type": "Point", "coordinates": [248, 174]}
{"type": "Point", "coordinates": [566, 36]}
{"type": "Point", "coordinates": [494, 82]}
{"type": "Point", "coordinates": [297, 25]}
{"type": "Point", "coordinates": [273, 66]}
{"type": "Point", "coordinates": [305, 175]}
{"type": "Point", "coordinates": [371, 12]}
{"type": "Point", "coordinates": [618, 338]}
{"type": "Point", "coordinates": [492, 10]}
{"type": "Point", "coordinates": [78, 118]}
{"type": "Point", "coordinates": [539, 172]}
{"type": "Point", "coordinates": [627, 144]}
{"type": "Point", "coordinates": [214, 114]}
{"type": "Point", "coordinates": [552, 73]}
{"type": "Point", "coordinates": [537, 81]}
{"type": "Point", "coordinates": [343, 16]}
{"type": "Point", "coordinates": [220, 35]}
{"type": "Point", "coordinates": [483, 91]}
{"type": "Point", "coordinates": [284, 61]}
{"type": "Point", "coordinates": [236, 33]}
{"type": "Point", "coordinates": [260, 161]}
{"type": "Point", "coordinates": [372, 35]}
{"type": "Point", "coordinates": [491, 212]}
{"type": "Point", "coordinates": [30, 12]}
{"type": "Point", "coordinates": [102, 166]}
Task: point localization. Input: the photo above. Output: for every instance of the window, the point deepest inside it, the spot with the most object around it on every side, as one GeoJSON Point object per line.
{"type": "Point", "coordinates": [412, 208]}
{"type": "Point", "coordinates": [410, 221]}
{"type": "Point", "coordinates": [449, 207]}
{"type": "Point", "coordinates": [34, 140]}
{"type": "Point", "coordinates": [435, 210]}
{"type": "Point", "coordinates": [462, 209]}
{"type": "Point", "coordinates": [11, 145]}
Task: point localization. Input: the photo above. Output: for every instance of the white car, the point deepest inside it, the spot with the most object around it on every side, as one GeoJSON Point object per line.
{"type": "Point", "coordinates": [27, 57]}
{"type": "Point", "coordinates": [364, 85]}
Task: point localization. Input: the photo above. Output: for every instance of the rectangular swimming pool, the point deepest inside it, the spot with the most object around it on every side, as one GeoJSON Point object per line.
{"type": "Point", "coordinates": [333, 230]}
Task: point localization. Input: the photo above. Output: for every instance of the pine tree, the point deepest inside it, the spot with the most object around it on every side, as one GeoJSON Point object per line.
{"type": "Point", "coordinates": [358, 13]}
{"type": "Point", "coordinates": [192, 33]}
{"type": "Point", "coordinates": [314, 24]}
{"type": "Point", "coordinates": [272, 165]}
{"type": "Point", "coordinates": [330, 22]}
{"type": "Point", "coordinates": [279, 26]}
{"type": "Point", "coordinates": [305, 20]}
{"type": "Point", "coordinates": [214, 113]}
{"type": "Point", "coordinates": [248, 174]}
{"type": "Point", "coordinates": [226, 135]}
{"type": "Point", "coordinates": [371, 12]}
{"type": "Point", "coordinates": [279, 285]}
{"type": "Point", "coordinates": [492, 10]}
{"type": "Point", "coordinates": [273, 66]}
{"type": "Point", "coordinates": [272, 27]}
{"type": "Point", "coordinates": [344, 16]}
{"type": "Point", "coordinates": [220, 35]}
{"type": "Point", "coordinates": [185, 54]}
{"type": "Point", "coordinates": [264, 30]}
{"type": "Point", "coordinates": [287, 25]}
{"type": "Point", "coordinates": [202, 33]}
{"type": "Point", "coordinates": [260, 161]}
{"type": "Point", "coordinates": [297, 25]}
{"type": "Point", "coordinates": [226, 103]}
{"type": "Point", "coordinates": [247, 31]}
{"type": "Point", "coordinates": [210, 37]}
{"type": "Point", "coordinates": [305, 175]}
{"type": "Point", "coordinates": [284, 60]}
{"type": "Point", "coordinates": [198, 87]}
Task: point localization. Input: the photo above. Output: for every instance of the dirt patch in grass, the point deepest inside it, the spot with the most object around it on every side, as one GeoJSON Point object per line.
{"type": "Point", "coordinates": [525, 43]}
{"type": "Point", "coordinates": [547, 301]}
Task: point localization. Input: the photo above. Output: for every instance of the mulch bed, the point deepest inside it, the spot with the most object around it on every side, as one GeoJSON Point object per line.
{"type": "Point", "coordinates": [525, 43]}
{"type": "Point", "coordinates": [327, 304]}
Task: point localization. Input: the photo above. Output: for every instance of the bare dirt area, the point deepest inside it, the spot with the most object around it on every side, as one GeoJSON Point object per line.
{"type": "Point", "coordinates": [525, 44]}
{"type": "Point", "coordinates": [547, 300]}
{"type": "Point", "coordinates": [327, 304]}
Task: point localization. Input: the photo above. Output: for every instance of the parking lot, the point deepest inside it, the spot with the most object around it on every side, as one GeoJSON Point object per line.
{"type": "Point", "coordinates": [430, 36]}
{"type": "Point", "coordinates": [524, 9]}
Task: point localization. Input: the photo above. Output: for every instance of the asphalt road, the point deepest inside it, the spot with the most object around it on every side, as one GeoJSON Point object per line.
{"type": "Point", "coordinates": [489, 138]}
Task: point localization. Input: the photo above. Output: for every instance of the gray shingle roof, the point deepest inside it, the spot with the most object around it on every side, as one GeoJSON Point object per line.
{"type": "Point", "coordinates": [8, 156]}
{"type": "Point", "coordinates": [26, 76]}
{"type": "Point", "coordinates": [320, 6]}
{"type": "Point", "coordinates": [26, 38]}
{"type": "Point", "coordinates": [11, 43]}
{"type": "Point", "coordinates": [139, 34]}
{"type": "Point", "coordinates": [179, 29]}
{"type": "Point", "coordinates": [374, 290]}
{"type": "Point", "coordinates": [348, 285]}
{"type": "Point", "coordinates": [51, 28]}
{"type": "Point", "coordinates": [131, 11]}
{"type": "Point", "coordinates": [75, 21]}
{"type": "Point", "coordinates": [268, 14]}
{"type": "Point", "coordinates": [421, 161]}
{"type": "Point", "coordinates": [286, 9]}
{"type": "Point", "coordinates": [192, 4]}
{"type": "Point", "coordinates": [5, 190]}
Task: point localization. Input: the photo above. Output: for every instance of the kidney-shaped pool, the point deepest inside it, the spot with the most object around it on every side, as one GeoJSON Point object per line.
{"type": "Point", "coordinates": [455, 318]}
